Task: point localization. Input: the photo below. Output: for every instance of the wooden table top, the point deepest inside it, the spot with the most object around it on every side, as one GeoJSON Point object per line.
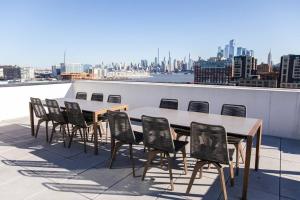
{"type": "Point", "coordinates": [92, 106]}
{"type": "Point", "coordinates": [233, 125]}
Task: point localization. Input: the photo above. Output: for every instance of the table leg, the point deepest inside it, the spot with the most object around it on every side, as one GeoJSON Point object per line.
{"type": "Point", "coordinates": [95, 121]}
{"type": "Point", "coordinates": [112, 146]}
{"type": "Point", "coordinates": [258, 143]}
{"type": "Point", "coordinates": [31, 118]}
{"type": "Point", "coordinates": [247, 167]}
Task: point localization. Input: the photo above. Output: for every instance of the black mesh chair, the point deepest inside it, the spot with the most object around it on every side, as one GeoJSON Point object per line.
{"type": "Point", "coordinates": [236, 111]}
{"type": "Point", "coordinates": [114, 98]}
{"type": "Point", "coordinates": [198, 106]}
{"type": "Point", "coordinates": [158, 139]}
{"type": "Point", "coordinates": [169, 103]}
{"type": "Point", "coordinates": [97, 97]}
{"type": "Point", "coordinates": [76, 118]}
{"type": "Point", "coordinates": [81, 95]}
{"type": "Point", "coordinates": [110, 99]}
{"type": "Point", "coordinates": [121, 131]}
{"type": "Point", "coordinates": [58, 118]}
{"type": "Point", "coordinates": [194, 106]}
{"type": "Point", "coordinates": [40, 113]}
{"type": "Point", "coordinates": [209, 146]}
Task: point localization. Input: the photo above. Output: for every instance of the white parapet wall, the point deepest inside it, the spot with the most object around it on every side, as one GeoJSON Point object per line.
{"type": "Point", "coordinates": [278, 108]}
{"type": "Point", "coordinates": [14, 100]}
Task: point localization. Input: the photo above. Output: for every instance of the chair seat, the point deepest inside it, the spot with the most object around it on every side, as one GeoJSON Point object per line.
{"type": "Point", "coordinates": [179, 144]}
{"type": "Point", "coordinates": [234, 140]}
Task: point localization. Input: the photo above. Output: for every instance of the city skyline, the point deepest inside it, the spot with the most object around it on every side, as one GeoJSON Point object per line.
{"type": "Point", "coordinates": [37, 33]}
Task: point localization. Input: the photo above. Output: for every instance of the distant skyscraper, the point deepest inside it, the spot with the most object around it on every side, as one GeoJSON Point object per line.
{"type": "Point", "coordinates": [190, 63]}
{"type": "Point", "coordinates": [226, 51]}
{"type": "Point", "coordinates": [231, 48]}
{"type": "Point", "coordinates": [239, 51]}
{"type": "Point", "coordinates": [252, 53]}
{"type": "Point", "coordinates": [158, 56]}
{"type": "Point", "coordinates": [270, 59]}
{"type": "Point", "coordinates": [170, 69]}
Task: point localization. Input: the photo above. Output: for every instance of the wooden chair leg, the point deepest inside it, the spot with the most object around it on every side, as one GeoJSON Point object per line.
{"type": "Point", "coordinates": [71, 138]}
{"type": "Point", "coordinates": [241, 152]}
{"type": "Point", "coordinates": [131, 158]}
{"type": "Point", "coordinates": [237, 159]}
{"type": "Point", "coordinates": [231, 174]}
{"type": "Point", "coordinates": [37, 128]}
{"type": "Point", "coordinates": [184, 160]}
{"type": "Point", "coordinates": [161, 160]}
{"type": "Point", "coordinates": [68, 130]}
{"type": "Point", "coordinates": [84, 139]}
{"type": "Point", "coordinates": [195, 171]}
{"type": "Point", "coordinates": [113, 157]}
{"type": "Point", "coordinates": [106, 134]}
{"type": "Point", "coordinates": [64, 134]}
{"type": "Point", "coordinates": [47, 138]}
{"type": "Point", "coordinates": [52, 133]}
{"type": "Point", "coordinates": [201, 167]}
{"type": "Point", "coordinates": [80, 131]}
{"type": "Point", "coordinates": [170, 166]}
{"type": "Point", "coordinates": [151, 155]}
{"type": "Point", "coordinates": [222, 179]}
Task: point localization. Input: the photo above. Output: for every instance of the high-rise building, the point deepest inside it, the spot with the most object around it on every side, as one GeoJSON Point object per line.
{"type": "Point", "coordinates": [239, 51]}
{"type": "Point", "coordinates": [231, 48]}
{"type": "Point", "coordinates": [226, 53]}
{"type": "Point", "coordinates": [170, 68]}
{"type": "Point", "coordinates": [289, 74]}
{"type": "Point", "coordinates": [244, 67]}
{"type": "Point", "coordinates": [270, 59]}
{"type": "Point", "coordinates": [190, 63]}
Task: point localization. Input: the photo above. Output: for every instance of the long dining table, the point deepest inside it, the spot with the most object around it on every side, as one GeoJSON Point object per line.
{"type": "Point", "coordinates": [246, 128]}
{"type": "Point", "coordinates": [97, 108]}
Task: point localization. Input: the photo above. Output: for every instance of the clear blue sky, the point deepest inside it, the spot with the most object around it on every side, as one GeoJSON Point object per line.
{"type": "Point", "coordinates": [36, 32]}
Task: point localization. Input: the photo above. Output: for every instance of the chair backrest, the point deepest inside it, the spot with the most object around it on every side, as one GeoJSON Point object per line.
{"type": "Point", "coordinates": [81, 95]}
{"type": "Point", "coordinates": [38, 108]}
{"type": "Point", "coordinates": [97, 97]}
{"type": "Point", "coordinates": [114, 98]}
{"type": "Point", "coordinates": [157, 133]}
{"type": "Point", "coordinates": [169, 103]}
{"type": "Point", "coordinates": [209, 142]}
{"type": "Point", "coordinates": [75, 115]}
{"type": "Point", "coordinates": [120, 126]}
{"type": "Point", "coordinates": [234, 110]}
{"type": "Point", "coordinates": [199, 106]}
{"type": "Point", "coordinates": [55, 113]}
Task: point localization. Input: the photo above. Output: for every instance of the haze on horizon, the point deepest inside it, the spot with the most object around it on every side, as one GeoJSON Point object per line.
{"type": "Point", "coordinates": [36, 33]}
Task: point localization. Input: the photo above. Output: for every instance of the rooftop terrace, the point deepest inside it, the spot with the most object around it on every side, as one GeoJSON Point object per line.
{"type": "Point", "coordinates": [30, 168]}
